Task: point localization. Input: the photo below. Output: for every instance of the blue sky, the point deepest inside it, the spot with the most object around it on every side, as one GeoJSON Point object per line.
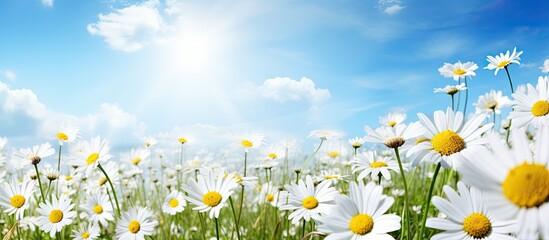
{"type": "Point", "coordinates": [127, 69]}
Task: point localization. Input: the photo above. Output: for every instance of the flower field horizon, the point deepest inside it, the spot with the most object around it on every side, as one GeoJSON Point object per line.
{"type": "Point", "coordinates": [407, 122]}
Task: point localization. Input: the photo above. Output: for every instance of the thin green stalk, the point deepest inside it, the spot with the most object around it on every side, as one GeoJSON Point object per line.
{"type": "Point", "coordinates": [453, 109]}
{"type": "Point", "coordinates": [234, 216]}
{"type": "Point", "coordinates": [510, 81]}
{"type": "Point", "coordinates": [466, 98]}
{"type": "Point", "coordinates": [406, 212]}
{"type": "Point", "coordinates": [112, 187]}
{"type": "Point", "coordinates": [202, 228]}
{"type": "Point", "coordinates": [428, 202]}
{"type": "Point", "coordinates": [216, 229]}
{"type": "Point", "coordinates": [242, 192]}
{"type": "Point", "coordinates": [303, 230]}
{"type": "Point", "coordinates": [312, 155]}
{"type": "Point", "coordinates": [58, 170]}
{"type": "Point", "coordinates": [39, 183]}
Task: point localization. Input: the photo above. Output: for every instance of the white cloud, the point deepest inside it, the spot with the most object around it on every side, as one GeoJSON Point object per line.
{"type": "Point", "coordinates": [10, 75]}
{"type": "Point", "coordinates": [390, 7]}
{"type": "Point", "coordinates": [22, 115]}
{"type": "Point", "coordinates": [129, 29]}
{"type": "Point", "coordinates": [545, 67]}
{"type": "Point", "coordinates": [286, 89]}
{"type": "Point", "coordinates": [527, 65]}
{"type": "Point", "coordinates": [47, 3]}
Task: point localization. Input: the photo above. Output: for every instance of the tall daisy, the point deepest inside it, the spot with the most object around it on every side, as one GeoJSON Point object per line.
{"type": "Point", "coordinates": [392, 119]}
{"type": "Point", "coordinates": [174, 203]}
{"type": "Point", "coordinates": [361, 215]}
{"type": "Point", "coordinates": [26, 156]}
{"type": "Point", "coordinates": [250, 141]}
{"type": "Point", "coordinates": [451, 89]}
{"type": "Point", "coordinates": [532, 107]}
{"type": "Point", "coordinates": [356, 142]}
{"type": "Point", "coordinates": [55, 215]}
{"type": "Point", "coordinates": [92, 153]}
{"type": "Point", "coordinates": [98, 208]}
{"type": "Point", "coordinates": [67, 135]}
{"type": "Point", "coordinates": [450, 137]}
{"type": "Point", "coordinates": [307, 200]}
{"type": "Point", "coordinates": [210, 193]}
{"type": "Point", "coordinates": [139, 155]}
{"type": "Point", "coordinates": [135, 224]}
{"type": "Point", "coordinates": [491, 103]}
{"type": "Point", "coordinates": [394, 137]}
{"type": "Point", "coordinates": [323, 134]}
{"type": "Point", "coordinates": [268, 194]}
{"type": "Point", "coordinates": [458, 70]}
{"type": "Point", "coordinates": [467, 217]}
{"type": "Point", "coordinates": [515, 182]}
{"type": "Point", "coordinates": [150, 141]}
{"type": "Point", "coordinates": [16, 197]}
{"type": "Point", "coordinates": [370, 163]}
{"type": "Point", "coordinates": [503, 60]}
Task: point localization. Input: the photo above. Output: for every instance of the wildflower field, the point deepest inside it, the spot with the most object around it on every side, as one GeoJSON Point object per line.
{"type": "Point", "coordinates": [457, 173]}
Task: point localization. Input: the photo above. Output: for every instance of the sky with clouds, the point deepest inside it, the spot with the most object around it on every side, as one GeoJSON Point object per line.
{"type": "Point", "coordinates": [128, 69]}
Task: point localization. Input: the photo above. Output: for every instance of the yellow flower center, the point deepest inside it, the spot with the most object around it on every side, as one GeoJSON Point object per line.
{"type": "Point", "coordinates": [174, 203]}
{"type": "Point", "coordinates": [447, 143]}
{"type": "Point", "coordinates": [459, 71]}
{"type": "Point", "coordinates": [85, 235]}
{"type": "Point", "coordinates": [392, 123]}
{"type": "Point", "coordinates": [17, 201]}
{"type": "Point", "coordinates": [270, 197]}
{"type": "Point", "coordinates": [56, 216]}
{"type": "Point", "coordinates": [310, 202]}
{"type": "Point", "coordinates": [68, 177]}
{"type": "Point", "coordinates": [92, 158]}
{"type": "Point", "coordinates": [540, 108]}
{"type": "Point", "coordinates": [378, 164]}
{"type": "Point", "coordinates": [492, 105]}
{"type": "Point", "coordinates": [136, 161]}
{"type": "Point", "coordinates": [273, 155]}
{"type": "Point", "coordinates": [212, 199]}
{"type": "Point", "coordinates": [182, 140]}
{"type": "Point", "coordinates": [62, 136]}
{"type": "Point", "coordinates": [452, 90]}
{"type": "Point", "coordinates": [356, 145]}
{"type": "Point", "coordinates": [134, 226]}
{"type": "Point", "coordinates": [331, 177]}
{"type": "Point", "coordinates": [247, 144]}
{"type": "Point", "coordinates": [503, 63]}
{"type": "Point", "coordinates": [102, 181]}
{"type": "Point", "coordinates": [333, 154]}
{"type": "Point", "coordinates": [527, 185]}
{"type": "Point", "coordinates": [147, 144]}
{"type": "Point", "coordinates": [361, 224]}
{"type": "Point", "coordinates": [98, 209]}
{"type": "Point", "coordinates": [477, 225]}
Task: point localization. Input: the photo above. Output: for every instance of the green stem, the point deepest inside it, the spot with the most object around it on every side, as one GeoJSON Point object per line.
{"type": "Point", "coordinates": [314, 153]}
{"type": "Point", "coordinates": [428, 201]}
{"type": "Point", "coordinates": [452, 102]}
{"type": "Point", "coordinates": [234, 216]}
{"type": "Point", "coordinates": [242, 192]}
{"type": "Point", "coordinates": [39, 183]}
{"type": "Point", "coordinates": [406, 213]}
{"type": "Point", "coordinates": [303, 230]}
{"type": "Point", "coordinates": [510, 81]}
{"type": "Point", "coordinates": [58, 171]}
{"type": "Point", "coordinates": [112, 187]}
{"type": "Point", "coordinates": [466, 98]}
{"type": "Point", "coordinates": [216, 229]}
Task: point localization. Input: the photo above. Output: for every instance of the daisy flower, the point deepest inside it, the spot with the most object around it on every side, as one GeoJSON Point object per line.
{"type": "Point", "coordinates": [392, 119]}
{"type": "Point", "coordinates": [210, 193]}
{"type": "Point", "coordinates": [51, 174]}
{"type": "Point", "coordinates": [449, 137]}
{"type": "Point", "coordinates": [135, 224]}
{"type": "Point", "coordinates": [86, 232]}
{"type": "Point", "coordinates": [394, 137]}
{"type": "Point", "coordinates": [67, 135]}
{"type": "Point", "coordinates": [252, 141]}
{"type": "Point", "coordinates": [451, 89]}
{"type": "Point", "coordinates": [93, 153]}
{"type": "Point", "coordinates": [55, 215]}
{"type": "Point", "coordinates": [139, 155]}
{"type": "Point", "coordinates": [515, 182]}
{"type": "Point", "coordinates": [331, 175]}
{"type": "Point", "coordinates": [356, 142]}
{"type": "Point", "coordinates": [33, 156]}
{"type": "Point", "coordinates": [15, 197]}
{"type": "Point", "coordinates": [467, 217]}
{"type": "Point", "coordinates": [99, 209]}
{"type": "Point", "coordinates": [502, 61]}
{"type": "Point", "coordinates": [361, 215]}
{"type": "Point", "coordinates": [150, 141]}
{"type": "Point", "coordinates": [307, 200]}
{"type": "Point", "coordinates": [174, 203]}
{"type": "Point", "coordinates": [324, 134]}
{"type": "Point", "coordinates": [491, 103]}
{"type": "Point", "coordinates": [532, 107]}
{"type": "Point", "coordinates": [458, 70]}
{"type": "Point", "coordinates": [369, 163]}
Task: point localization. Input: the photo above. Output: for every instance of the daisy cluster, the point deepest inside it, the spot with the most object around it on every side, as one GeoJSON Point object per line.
{"type": "Point", "coordinates": [453, 174]}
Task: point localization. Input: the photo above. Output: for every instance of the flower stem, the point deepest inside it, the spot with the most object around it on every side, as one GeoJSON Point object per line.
{"type": "Point", "coordinates": [39, 183]}
{"type": "Point", "coordinates": [216, 229]}
{"type": "Point", "coordinates": [428, 201]}
{"type": "Point", "coordinates": [510, 81]}
{"type": "Point", "coordinates": [234, 216]}
{"type": "Point", "coordinates": [406, 213]}
{"type": "Point", "coordinates": [58, 170]}
{"type": "Point", "coordinates": [312, 155]}
{"type": "Point", "coordinates": [242, 192]}
{"type": "Point", "coordinates": [112, 187]}
{"type": "Point", "coordinates": [452, 102]}
{"type": "Point", "coordinates": [466, 98]}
